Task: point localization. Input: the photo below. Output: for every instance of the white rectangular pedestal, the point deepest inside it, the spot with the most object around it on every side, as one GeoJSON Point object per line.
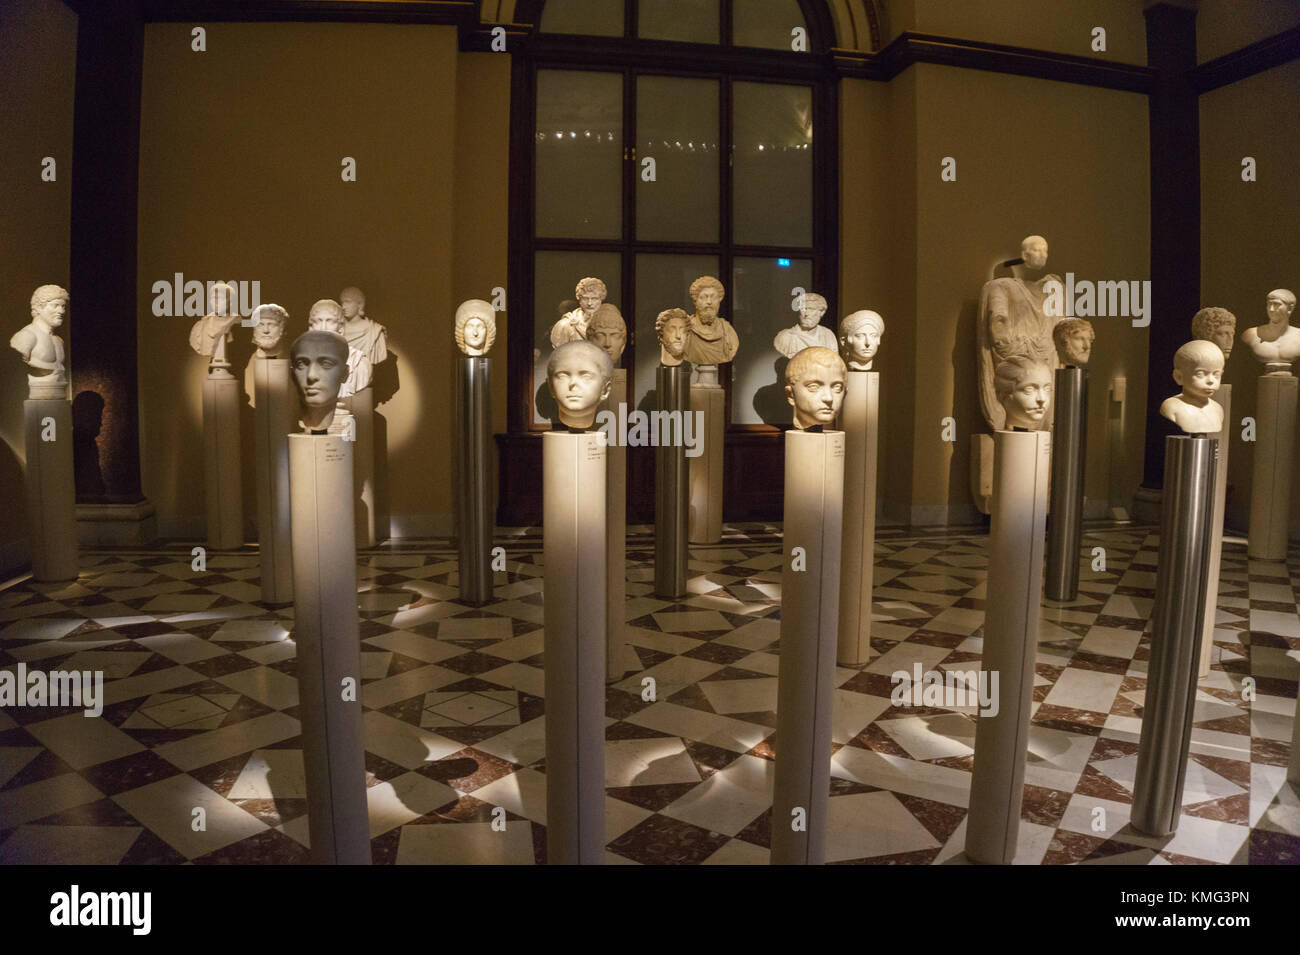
{"type": "Point", "coordinates": [1224, 397]}
{"type": "Point", "coordinates": [1270, 487]}
{"type": "Point", "coordinates": [275, 414]}
{"type": "Point", "coordinates": [859, 421]}
{"type": "Point", "coordinates": [327, 635]}
{"type": "Point", "coordinates": [1018, 512]}
{"type": "Point", "coordinates": [51, 489]}
{"type": "Point", "coordinates": [616, 653]}
{"type": "Point", "coordinates": [362, 406]}
{"type": "Point", "coordinates": [706, 469]}
{"type": "Point", "coordinates": [574, 557]}
{"type": "Point", "coordinates": [810, 602]}
{"type": "Point", "coordinates": [223, 494]}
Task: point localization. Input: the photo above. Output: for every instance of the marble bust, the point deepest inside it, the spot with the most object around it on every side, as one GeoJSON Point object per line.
{"type": "Point", "coordinates": [860, 334]}
{"type": "Point", "coordinates": [814, 386]}
{"type": "Point", "coordinates": [1276, 344]}
{"type": "Point", "coordinates": [327, 315]}
{"type": "Point", "coordinates": [579, 375]}
{"type": "Point", "coordinates": [1216, 325]}
{"type": "Point", "coordinates": [672, 326]}
{"type": "Point", "coordinates": [41, 348]}
{"type": "Point", "coordinates": [710, 340]}
{"type": "Point", "coordinates": [476, 327]}
{"type": "Point", "coordinates": [1073, 338]}
{"type": "Point", "coordinates": [268, 329]}
{"type": "Point", "coordinates": [807, 332]}
{"type": "Point", "coordinates": [209, 334]}
{"type": "Point", "coordinates": [364, 334]}
{"type": "Point", "coordinates": [1024, 389]}
{"type": "Point", "coordinates": [608, 332]}
{"type": "Point", "coordinates": [572, 327]}
{"type": "Point", "coordinates": [1013, 323]}
{"type": "Point", "coordinates": [1198, 367]}
{"type": "Point", "coordinates": [319, 360]}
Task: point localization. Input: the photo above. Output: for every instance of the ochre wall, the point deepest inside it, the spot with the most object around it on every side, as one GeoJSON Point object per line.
{"type": "Point", "coordinates": [1248, 244]}
{"type": "Point", "coordinates": [1224, 26]}
{"type": "Point", "coordinates": [241, 150]}
{"type": "Point", "coordinates": [1033, 156]}
{"type": "Point", "coordinates": [38, 65]}
{"type": "Point", "coordinates": [1061, 26]}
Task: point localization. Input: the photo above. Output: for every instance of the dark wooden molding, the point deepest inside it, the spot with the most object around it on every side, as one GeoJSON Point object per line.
{"type": "Point", "coordinates": [909, 48]}
{"type": "Point", "coordinates": [1249, 60]}
{"type": "Point", "coordinates": [459, 13]}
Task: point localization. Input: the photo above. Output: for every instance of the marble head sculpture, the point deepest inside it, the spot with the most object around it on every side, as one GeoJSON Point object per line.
{"type": "Point", "coordinates": [672, 326]}
{"type": "Point", "coordinates": [608, 331]}
{"type": "Point", "coordinates": [1198, 367]}
{"type": "Point", "coordinates": [268, 329]}
{"type": "Point", "coordinates": [711, 339]}
{"type": "Point", "coordinates": [1276, 344]}
{"type": "Point", "coordinates": [209, 334]}
{"type": "Point", "coordinates": [1013, 323]}
{"type": "Point", "coordinates": [579, 375]}
{"type": "Point", "coordinates": [860, 334]}
{"type": "Point", "coordinates": [319, 360]}
{"type": "Point", "coordinates": [327, 315]}
{"type": "Point", "coordinates": [363, 333]}
{"type": "Point", "coordinates": [476, 327]}
{"type": "Point", "coordinates": [1216, 325]}
{"type": "Point", "coordinates": [814, 386]}
{"type": "Point", "coordinates": [1073, 338]}
{"type": "Point", "coordinates": [572, 327]}
{"type": "Point", "coordinates": [806, 333]}
{"type": "Point", "coordinates": [1024, 387]}
{"type": "Point", "coordinates": [40, 347]}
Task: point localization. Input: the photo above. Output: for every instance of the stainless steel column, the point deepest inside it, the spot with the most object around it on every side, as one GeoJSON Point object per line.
{"type": "Point", "coordinates": [1069, 453]}
{"type": "Point", "coordinates": [672, 487]}
{"type": "Point", "coordinates": [1176, 619]}
{"type": "Point", "coordinates": [474, 519]}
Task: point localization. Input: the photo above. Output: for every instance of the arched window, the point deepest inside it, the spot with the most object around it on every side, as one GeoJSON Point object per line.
{"type": "Point", "coordinates": [655, 141]}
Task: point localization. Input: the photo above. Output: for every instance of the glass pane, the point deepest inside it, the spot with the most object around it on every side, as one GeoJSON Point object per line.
{"type": "Point", "coordinates": [677, 126]}
{"type": "Point", "coordinates": [772, 164]}
{"type": "Point", "coordinates": [694, 22]}
{"type": "Point", "coordinates": [765, 23]}
{"type": "Point", "coordinates": [588, 17]}
{"type": "Point", "coordinates": [662, 282]}
{"type": "Point", "coordinates": [762, 297]}
{"type": "Point", "coordinates": [579, 154]}
{"type": "Point", "coordinates": [555, 275]}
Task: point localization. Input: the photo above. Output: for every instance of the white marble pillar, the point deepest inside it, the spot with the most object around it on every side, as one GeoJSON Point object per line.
{"type": "Point", "coordinates": [574, 558]}
{"type": "Point", "coordinates": [275, 415]}
{"type": "Point", "coordinates": [617, 652]}
{"type": "Point", "coordinates": [51, 488]}
{"type": "Point", "coordinates": [860, 420]}
{"type": "Point", "coordinates": [362, 406]}
{"type": "Point", "coordinates": [1270, 488]}
{"type": "Point", "coordinates": [223, 491]}
{"type": "Point", "coordinates": [1224, 397]}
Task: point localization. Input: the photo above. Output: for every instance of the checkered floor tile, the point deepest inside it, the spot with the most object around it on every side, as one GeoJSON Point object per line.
{"type": "Point", "coordinates": [200, 712]}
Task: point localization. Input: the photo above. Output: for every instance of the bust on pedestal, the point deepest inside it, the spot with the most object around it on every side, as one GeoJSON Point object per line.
{"type": "Point", "coordinates": [223, 479]}
{"type": "Point", "coordinates": [807, 332]}
{"type": "Point", "coordinates": [1198, 367]}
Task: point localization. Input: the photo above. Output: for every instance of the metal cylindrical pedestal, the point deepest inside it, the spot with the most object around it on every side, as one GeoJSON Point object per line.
{"type": "Point", "coordinates": [616, 652]}
{"type": "Point", "coordinates": [1176, 619]}
{"type": "Point", "coordinates": [706, 469]}
{"type": "Point", "coordinates": [1270, 486]}
{"type": "Point", "coordinates": [329, 648]}
{"type": "Point", "coordinates": [474, 520]}
{"type": "Point", "coordinates": [672, 485]}
{"type": "Point", "coordinates": [51, 491]}
{"type": "Point", "coordinates": [223, 494]}
{"type": "Point", "coordinates": [275, 414]}
{"type": "Point", "coordinates": [1224, 397]}
{"type": "Point", "coordinates": [573, 554]}
{"type": "Point", "coordinates": [1018, 511]}
{"type": "Point", "coordinates": [810, 602]}
{"type": "Point", "coordinates": [859, 419]}
{"type": "Point", "coordinates": [1069, 454]}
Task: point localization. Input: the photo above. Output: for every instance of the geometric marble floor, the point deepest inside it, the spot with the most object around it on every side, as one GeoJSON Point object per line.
{"type": "Point", "coordinates": [201, 711]}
